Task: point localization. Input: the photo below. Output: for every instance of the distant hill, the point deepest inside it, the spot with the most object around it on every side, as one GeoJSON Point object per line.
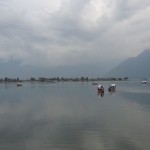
{"type": "Point", "coordinates": [136, 67]}
{"type": "Point", "coordinates": [14, 69]}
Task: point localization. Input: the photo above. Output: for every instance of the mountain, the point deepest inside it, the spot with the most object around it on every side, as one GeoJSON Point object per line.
{"type": "Point", "coordinates": [14, 69]}
{"type": "Point", "coordinates": [136, 67]}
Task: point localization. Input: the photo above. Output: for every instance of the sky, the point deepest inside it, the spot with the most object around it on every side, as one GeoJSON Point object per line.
{"type": "Point", "coordinates": [90, 36]}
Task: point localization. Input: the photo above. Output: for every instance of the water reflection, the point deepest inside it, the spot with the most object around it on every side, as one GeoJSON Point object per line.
{"type": "Point", "coordinates": [100, 93]}
{"type": "Point", "coordinates": [69, 117]}
{"type": "Point", "coordinates": [112, 92]}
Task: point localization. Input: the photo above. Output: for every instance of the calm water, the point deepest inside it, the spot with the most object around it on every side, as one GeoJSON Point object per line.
{"type": "Point", "coordinates": [72, 116]}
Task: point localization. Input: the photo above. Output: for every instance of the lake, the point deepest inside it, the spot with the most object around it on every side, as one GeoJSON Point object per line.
{"type": "Point", "coordinates": [72, 116]}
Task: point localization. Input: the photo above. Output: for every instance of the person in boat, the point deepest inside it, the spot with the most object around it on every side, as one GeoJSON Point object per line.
{"type": "Point", "coordinates": [112, 88]}
{"type": "Point", "coordinates": [100, 88]}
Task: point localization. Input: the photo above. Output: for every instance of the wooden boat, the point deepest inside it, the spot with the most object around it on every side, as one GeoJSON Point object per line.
{"type": "Point", "coordinates": [94, 83]}
{"type": "Point", "coordinates": [19, 84]}
{"type": "Point", "coordinates": [100, 88]}
{"type": "Point", "coordinates": [112, 88]}
{"type": "Point", "coordinates": [144, 82]}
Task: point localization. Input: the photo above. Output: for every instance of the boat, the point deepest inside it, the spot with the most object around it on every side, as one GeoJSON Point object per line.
{"type": "Point", "coordinates": [19, 84]}
{"type": "Point", "coordinates": [112, 88]}
{"type": "Point", "coordinates": [144, 82]}
{"type": "Point", "coordinates": [94, 83]}
{"type": "Point", "coordinates": [100, 88]}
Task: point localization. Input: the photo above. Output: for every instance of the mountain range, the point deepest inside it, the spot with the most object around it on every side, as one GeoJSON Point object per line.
{"type": "Point", "coordinates": [135, 67]}
{"type": "Point", "coordinates": [14, 69]}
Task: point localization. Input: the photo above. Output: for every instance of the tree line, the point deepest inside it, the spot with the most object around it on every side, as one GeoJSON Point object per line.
{"type": "Point", "coordinates": [61, 79]}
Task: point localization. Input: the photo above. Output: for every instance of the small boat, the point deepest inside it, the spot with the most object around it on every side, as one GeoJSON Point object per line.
{"type": "Point", "coordinates": [94, 83]}
{"type": "Point", "coordinates": [100, 88]}
{"type": "Point", "coordinates": [19, 84]}
{"type": "Point", "coordinates": [144, 82]}
{"type": "Point", "coordinates": [112, 88]}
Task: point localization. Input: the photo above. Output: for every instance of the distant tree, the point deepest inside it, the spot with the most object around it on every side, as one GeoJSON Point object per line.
{"type": "Point", "coordinates": [42, 79]}
{"type": "Point", "coordinates": [57, 79]}
{"type": "Point", "coordinates": [5, 79]}
{"type": "Point", "coordinates": [1, 80]}
{"type": "Point", "coordinates": [126, 78]}
{"type": "Point", "coordinates": [119, 79]}
{"type": "Point", "coordinates": [32, 79]}
{"type": "Point", "coordinates": [82, 78]}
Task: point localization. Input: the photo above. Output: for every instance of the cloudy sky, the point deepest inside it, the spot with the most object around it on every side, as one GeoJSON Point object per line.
{"type": "Point", "coordinates": [73, 33]}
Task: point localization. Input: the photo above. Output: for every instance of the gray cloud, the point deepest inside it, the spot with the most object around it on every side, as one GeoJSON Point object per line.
{"type": "Point", "coordinates": [71, 32]}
